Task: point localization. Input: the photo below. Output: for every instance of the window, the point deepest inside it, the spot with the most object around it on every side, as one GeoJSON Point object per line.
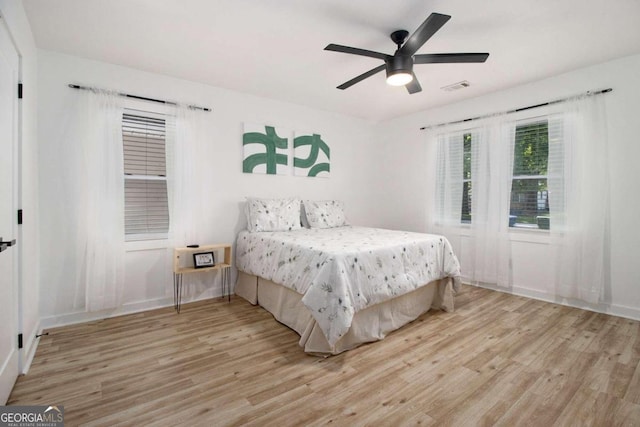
{"type": "Point", "coordinates": [477, 158]}
{"type": "Point", "coordinates": [466, 178]}
{"type": "Point", "coordinates": [453, 204]}
{"type": "Point", "coordinates": [529, 191]}
{"type": "Point", "coordinates": [145, 183]}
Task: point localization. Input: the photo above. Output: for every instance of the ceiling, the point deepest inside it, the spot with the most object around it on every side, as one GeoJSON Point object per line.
{"type": "Point", "coordinates": [274, 48]}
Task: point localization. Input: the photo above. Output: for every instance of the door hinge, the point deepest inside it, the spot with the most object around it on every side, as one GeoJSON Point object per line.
{"type": "Point", "coordinates": [19, 216]}
{"type": "Point", "coordinates": [19, 90]}
{"type": "Point", "coordinates": [19, 341]}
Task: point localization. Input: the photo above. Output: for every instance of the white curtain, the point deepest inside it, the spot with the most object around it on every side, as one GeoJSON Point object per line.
{"type": "Point", "coordinates": [579, 199]}
{"type": "Point", "coordinates": [188, 149]}
{"type": "Point", "coordinates": [491, 170]}
{"type": "Point", "coordinates": [446, 218]}
{"type": "Point", "coordinates": [485, 241]}
{"type": "Point", "coordinates": [95, 136]}
{"type": "Point", "coordinates": [578, 183]}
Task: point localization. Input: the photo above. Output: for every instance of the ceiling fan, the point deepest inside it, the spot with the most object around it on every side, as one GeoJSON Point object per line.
{"type": "Point", "coordinates": [399, 66]}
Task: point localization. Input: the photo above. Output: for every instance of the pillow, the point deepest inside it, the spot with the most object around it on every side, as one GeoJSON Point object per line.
{"type": "Point", "coordinates": [324, 213]}
{"type": "Point", "coordinates": [272, 214]}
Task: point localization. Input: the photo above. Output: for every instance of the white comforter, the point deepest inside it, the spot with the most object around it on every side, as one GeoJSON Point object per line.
{"type": "Point", "coordinates": [340, 271]}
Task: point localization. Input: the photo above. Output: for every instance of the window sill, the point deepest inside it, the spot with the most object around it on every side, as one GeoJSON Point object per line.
{"type": "Point", "coordinates": [145, 245]}
{"type": "Point", "coordinates": [517, 234]}
{"type": "Point", "coordinates": [533, 235]}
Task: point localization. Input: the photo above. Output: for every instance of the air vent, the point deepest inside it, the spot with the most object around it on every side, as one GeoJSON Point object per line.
{"type": "Point", "coordinates": [456, 86]}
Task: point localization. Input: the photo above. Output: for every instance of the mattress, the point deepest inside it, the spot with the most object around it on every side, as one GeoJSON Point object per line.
{"type": "Point", "coordinates": [339, 272]}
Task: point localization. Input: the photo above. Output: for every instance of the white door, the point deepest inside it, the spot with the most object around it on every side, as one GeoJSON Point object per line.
{"type": "Point", "coordinates": [8, 202]}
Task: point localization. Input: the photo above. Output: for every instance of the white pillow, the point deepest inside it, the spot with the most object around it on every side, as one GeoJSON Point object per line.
{"type": "Point", "coordinates": [272, 214]}
{"type": "Point", "coordinates": [324, 213]}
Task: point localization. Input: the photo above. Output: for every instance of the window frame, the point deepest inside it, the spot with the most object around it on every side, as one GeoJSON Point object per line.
{"type": "Point", "coordinates": [525, 122]}
{"type": "Point", "coordinates": [556, 119]}
{"type": "Point", "coordinates": [466, 180]}
{"type": "Point", "coordinates": [161, 238]}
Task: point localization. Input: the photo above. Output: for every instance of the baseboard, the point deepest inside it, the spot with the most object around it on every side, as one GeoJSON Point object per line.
{"type": "Point", "coordinates": [129, 308]}
{"type": "Point", "coordinates": [30, 347]}
{"type": "Point", "coordinates": [611, 309]}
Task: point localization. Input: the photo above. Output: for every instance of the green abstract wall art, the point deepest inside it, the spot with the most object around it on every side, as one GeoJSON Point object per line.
{"type": "Point", "coordinates": [311, 155]}
{"type": "Point", "coordinates": [266, 149]}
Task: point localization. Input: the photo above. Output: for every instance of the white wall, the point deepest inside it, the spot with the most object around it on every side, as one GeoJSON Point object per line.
{"type": "Point", "coordinates": [409, 163]}
{"type": "Point", "coordinates": [13, 13]}
{"type": "Point", "coordinates": [148, 271]}
{"type": "Point", "coordinates": [384, 173]}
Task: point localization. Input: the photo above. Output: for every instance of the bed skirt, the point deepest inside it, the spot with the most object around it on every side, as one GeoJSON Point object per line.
{"type": "Point", "coordinates": [370, 324]}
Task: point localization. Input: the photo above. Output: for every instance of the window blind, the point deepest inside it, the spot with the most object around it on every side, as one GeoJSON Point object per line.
{"type": "Point", "coordinates": [144, 145]}
{"type": "Point", "coordinates": [467, 192]}
{"type": "Point", "coordinates": [450, 181]}
{"type": "Point", "coordinates": [146, 201]}
{"type": "Point", "coordinates": [529, 190]}
{"type": "Point", "coordinates": [537, 153]}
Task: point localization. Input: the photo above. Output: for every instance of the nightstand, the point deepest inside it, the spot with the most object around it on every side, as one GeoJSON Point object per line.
{"type": "Point", "coordinates": [183, 263]}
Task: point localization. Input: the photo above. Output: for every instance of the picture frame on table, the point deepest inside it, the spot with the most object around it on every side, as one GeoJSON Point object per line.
{"type": "Point", "coordinates": [203, 260]}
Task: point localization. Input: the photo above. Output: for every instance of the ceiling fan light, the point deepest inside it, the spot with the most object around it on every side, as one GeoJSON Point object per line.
{"type": "Point", "coordinates": [399, 70]}
{"type": "Point", "coordinates": [399, 78]}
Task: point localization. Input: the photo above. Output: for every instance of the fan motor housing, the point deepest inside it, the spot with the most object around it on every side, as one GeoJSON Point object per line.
{"type": "Point", "coordinates": [398, 37]}
{"type": "Point", "coordinates": [399, 63]}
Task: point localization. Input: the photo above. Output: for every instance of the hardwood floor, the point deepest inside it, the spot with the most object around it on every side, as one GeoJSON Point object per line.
{"type": "Point", "coordinates": [498, 360]}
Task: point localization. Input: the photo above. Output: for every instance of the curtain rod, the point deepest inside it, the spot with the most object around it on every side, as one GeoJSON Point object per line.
{"type": "Point", "coordinates": [517, 110]}
{"type": "Point", "coordinates": [143, 98]}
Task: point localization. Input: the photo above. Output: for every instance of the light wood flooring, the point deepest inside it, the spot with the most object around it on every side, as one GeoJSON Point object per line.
{"type": "Point", "coordinates": [498, 360]}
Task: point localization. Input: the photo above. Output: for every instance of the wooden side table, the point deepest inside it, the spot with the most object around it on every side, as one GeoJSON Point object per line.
{"type": "Point", "coordinates": [183, 264]}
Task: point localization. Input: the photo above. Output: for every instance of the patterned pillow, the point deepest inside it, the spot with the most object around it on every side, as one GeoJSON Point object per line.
{"type": "Point", "coordinates": [325, 213]}
{"type": "Point", "coordinates": [272, 214]}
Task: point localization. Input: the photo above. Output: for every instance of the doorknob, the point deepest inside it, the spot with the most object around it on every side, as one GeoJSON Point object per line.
{"type": "Point", "coordinates": [4, 245]}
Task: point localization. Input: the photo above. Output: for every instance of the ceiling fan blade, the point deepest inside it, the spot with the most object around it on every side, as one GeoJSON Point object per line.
{"type": "Point", "coordinates": [361, 77]}
{"type": "Point", "coordinates": [424, 32]}
{"type": "Point", "coordinates": [357, 51]}
{"type": "Point", "coordinates": [414, 85]}
{"type": "Point", "coordinates": [449, 58]}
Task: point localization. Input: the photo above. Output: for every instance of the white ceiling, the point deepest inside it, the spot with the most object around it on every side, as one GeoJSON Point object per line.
{"type": "Point", "coordinates": [274, 48]}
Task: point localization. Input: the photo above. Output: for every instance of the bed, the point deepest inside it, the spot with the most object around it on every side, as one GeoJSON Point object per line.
{"type": "Point", "coordinates": [342, 286]}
